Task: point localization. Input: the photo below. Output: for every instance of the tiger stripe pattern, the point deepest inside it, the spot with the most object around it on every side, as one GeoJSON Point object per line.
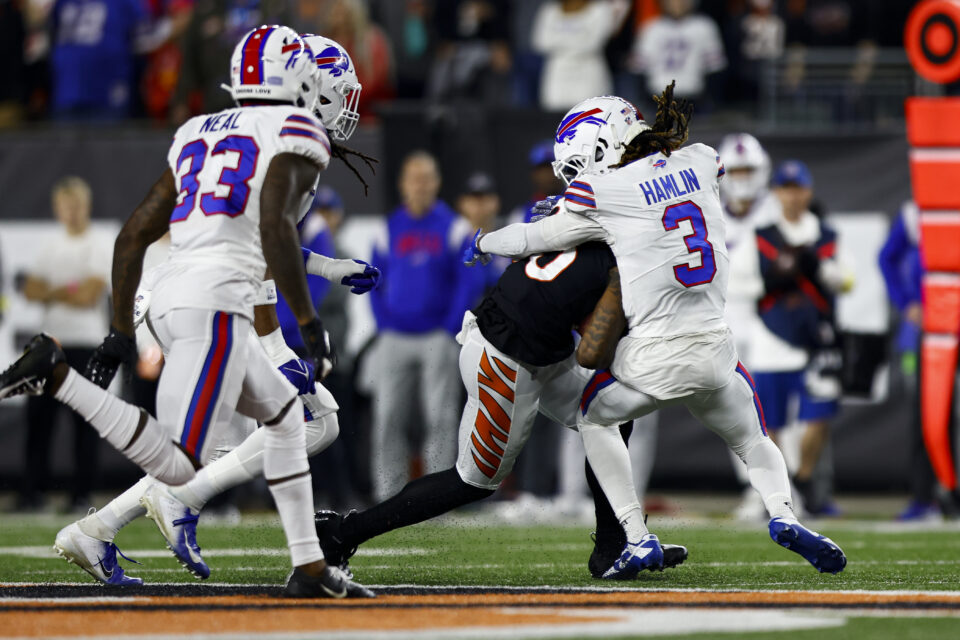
{"type": "Point", "coordinates": [496, 389]}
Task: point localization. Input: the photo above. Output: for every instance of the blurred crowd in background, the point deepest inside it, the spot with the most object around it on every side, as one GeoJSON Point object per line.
{"type": "Point", "coordinates": [163, 60]}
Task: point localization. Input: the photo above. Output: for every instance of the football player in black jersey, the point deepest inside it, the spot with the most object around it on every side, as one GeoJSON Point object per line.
{"type": "Point", "coordinates": [517, 357]}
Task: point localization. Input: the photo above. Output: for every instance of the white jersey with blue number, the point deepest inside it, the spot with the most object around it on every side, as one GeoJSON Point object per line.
{"type": "Point", "coordinates": [219, 162]}
{"type": "Point", "coordinates": [665, 224]}
{"type": "Point", "coordinates": [663, 220]}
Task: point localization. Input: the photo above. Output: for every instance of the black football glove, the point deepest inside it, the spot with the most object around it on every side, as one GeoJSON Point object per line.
{"type": "Point", "coordinates": [117, 348]}
{"type": "Point", "coordinates": [319, 347]}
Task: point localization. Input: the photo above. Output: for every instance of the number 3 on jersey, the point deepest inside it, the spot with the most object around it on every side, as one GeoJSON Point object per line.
{"type": "Point", "coordinates": [696, 242]}
{"type": "Point", "coordinates": [236, 178]}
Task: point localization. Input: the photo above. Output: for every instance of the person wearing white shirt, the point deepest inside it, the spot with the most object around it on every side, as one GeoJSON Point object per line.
{"type": "Point", "coordinates": [571, 35]}
{"type": "Point", "coordinates": [71, 282]}
{"type": "Point", "coordinates": [679, 45]}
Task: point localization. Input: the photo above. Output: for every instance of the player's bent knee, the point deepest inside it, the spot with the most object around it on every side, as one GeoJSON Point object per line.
{"type": "Point", "coordinates": [321, 433]}
{"type": "Point", "coordinates": [474, 489]}
{"type": "Point", "coordinates": [476, 481]}
{"type": "Point", "coordinates": [743, 446]}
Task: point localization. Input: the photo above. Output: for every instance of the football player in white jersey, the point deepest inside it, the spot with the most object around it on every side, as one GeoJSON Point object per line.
{"type": "Point", "coordinates": [659, 210]}
{"type": "Point", "coordinates": [748, 203]}
{"type": "Point", "coordinates": [239, 454]}
{"type": "Point", "coordinates": [235, 187]}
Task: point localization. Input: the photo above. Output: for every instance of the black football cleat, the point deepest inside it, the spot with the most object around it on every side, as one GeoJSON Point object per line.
{"type": "Point", "coordinates": [31, 373]}
{"type": "Point", "coordinates": [335, 551]}
{"type": "Point", "coordinates": [332, 583]}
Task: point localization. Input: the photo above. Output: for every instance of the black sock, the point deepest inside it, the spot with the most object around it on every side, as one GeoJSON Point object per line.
{"type": "Point", "coordinates": [805, 487]}
{"type": "Point", "coordinates": [609, 529]}
{"type": "Point", "coordinates": [419, 500]}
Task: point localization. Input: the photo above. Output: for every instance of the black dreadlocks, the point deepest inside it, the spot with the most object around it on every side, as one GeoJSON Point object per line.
{"type": "Point", "coordinates": [343, 153]}
{"type": "Point", "coordinates": [668, 132]}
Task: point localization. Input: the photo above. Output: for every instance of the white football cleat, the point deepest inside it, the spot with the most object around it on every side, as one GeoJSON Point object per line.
{"type": "Point", "coordinates": [96, 557]}
{"type": "Point", "coordinates": [178, 526]}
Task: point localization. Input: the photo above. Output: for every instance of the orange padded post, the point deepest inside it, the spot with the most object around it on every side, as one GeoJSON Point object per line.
{"type": "Point", "coordinates": [931, 38]}
{"type": "Point", "coordinates": [938, 366]}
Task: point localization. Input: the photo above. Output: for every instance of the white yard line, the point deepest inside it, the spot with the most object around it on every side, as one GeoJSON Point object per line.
{"type": "Point", "coordinates": [42, 551]}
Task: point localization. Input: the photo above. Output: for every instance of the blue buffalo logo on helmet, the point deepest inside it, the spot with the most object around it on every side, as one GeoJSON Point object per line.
{"type": "Point", "coordinates": [568, 126]}
{"type": "Point", "coordinates": [333, 60]}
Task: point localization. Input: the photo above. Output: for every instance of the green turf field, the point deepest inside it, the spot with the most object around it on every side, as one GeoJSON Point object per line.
{"type": "Point", "coordinates": [723, 556]}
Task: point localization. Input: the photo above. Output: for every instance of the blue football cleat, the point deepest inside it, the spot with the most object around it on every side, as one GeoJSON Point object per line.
{"type": "Point", "coordinates": [96, 557]}
{"type": "Point", "coordinates": [178, 525]}
{"type": "Point", "coordinates": [646, 555]}
{"type": "Point", "coordinates": [820, 551]}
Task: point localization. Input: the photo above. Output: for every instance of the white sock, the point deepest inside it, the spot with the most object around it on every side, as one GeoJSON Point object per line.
{"type": "Point", "coordinates": [643, 450]}
{"type": "Point", "coordinates": [610, 461]}
{"type": "Point", "coordinates": [116, 421]}
{"type": "Point", "coordinates": [235, 467]}
{"type": "Point", "coordinates": [285, 456]}
{"type": "Point", "coordinates": [121, 511]}
{"type": "Point", "coordinates": [768, 475]}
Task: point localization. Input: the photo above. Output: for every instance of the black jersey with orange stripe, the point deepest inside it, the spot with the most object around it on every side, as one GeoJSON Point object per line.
{"type": "Point", "coordinates": [531, 312]}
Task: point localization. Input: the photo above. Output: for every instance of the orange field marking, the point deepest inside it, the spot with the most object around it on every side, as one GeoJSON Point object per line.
{"type": "Point", "coordinates": [592, 598]}
{"type": "Point", "coordinates": [101, 614]}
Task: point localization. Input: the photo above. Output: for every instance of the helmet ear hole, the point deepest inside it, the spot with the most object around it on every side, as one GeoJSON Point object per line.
{"type": "Point", "coordinates": [598, 155]}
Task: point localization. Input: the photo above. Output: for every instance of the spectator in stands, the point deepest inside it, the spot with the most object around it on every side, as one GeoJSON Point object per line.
{"type": "Point", "coordinates": [213, 31]}
{"type": "Point", "coordinates": [572, 35]}
{"type": "Point", "coordinates": [757, 40]}
{"type": "Point", "coordinates": [92, 59]}
{"type": "Point", "coordinates": [162, 69]}
{"type": "Point", "coordinates": [347, 22]}
{"type": "Point", "coordinates": [70, 280]}
{"type": "Point", "coordinates": [473, 50]}
{"type": "Point", "coordinates": [794, 354]}
{"type": "Point", "coordinates": [410, 31]}
{"type": "Point", "coordinates": [902, 269]}
{"type": "Point", "coordinates": [13, 73]}
{"type": "Point", "coordinates": [418, 308]}
{"type": "Point", "coordinates": [684, 46]}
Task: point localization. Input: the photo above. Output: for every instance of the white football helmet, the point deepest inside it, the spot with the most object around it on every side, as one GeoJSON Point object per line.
{"type": "Point", "coordinates": [593, 135]}
{"type": "Point", "coordinates": [272, 62]}
{"type": "Point", "coordinates": [747, 171]}
{"type": "Point", "coordinates": [339, 87]}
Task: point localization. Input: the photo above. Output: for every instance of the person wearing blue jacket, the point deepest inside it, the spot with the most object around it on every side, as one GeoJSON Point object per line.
{"type": "Point", "coordinates": [418, 308]}
{"type": "Point", "coordinates": [902, 269]}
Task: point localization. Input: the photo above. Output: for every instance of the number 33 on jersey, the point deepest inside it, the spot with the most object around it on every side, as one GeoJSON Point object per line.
{"type": "Point", "coordinates": [219, 162]}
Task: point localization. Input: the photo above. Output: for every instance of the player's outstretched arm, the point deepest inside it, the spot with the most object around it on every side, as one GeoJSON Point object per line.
{"type": "Point", "coordinates": [559, 232]}
{"type": "Point", "coordinates": [148, 222]}
{"type": "Point", "coordinates": [603, 328]}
